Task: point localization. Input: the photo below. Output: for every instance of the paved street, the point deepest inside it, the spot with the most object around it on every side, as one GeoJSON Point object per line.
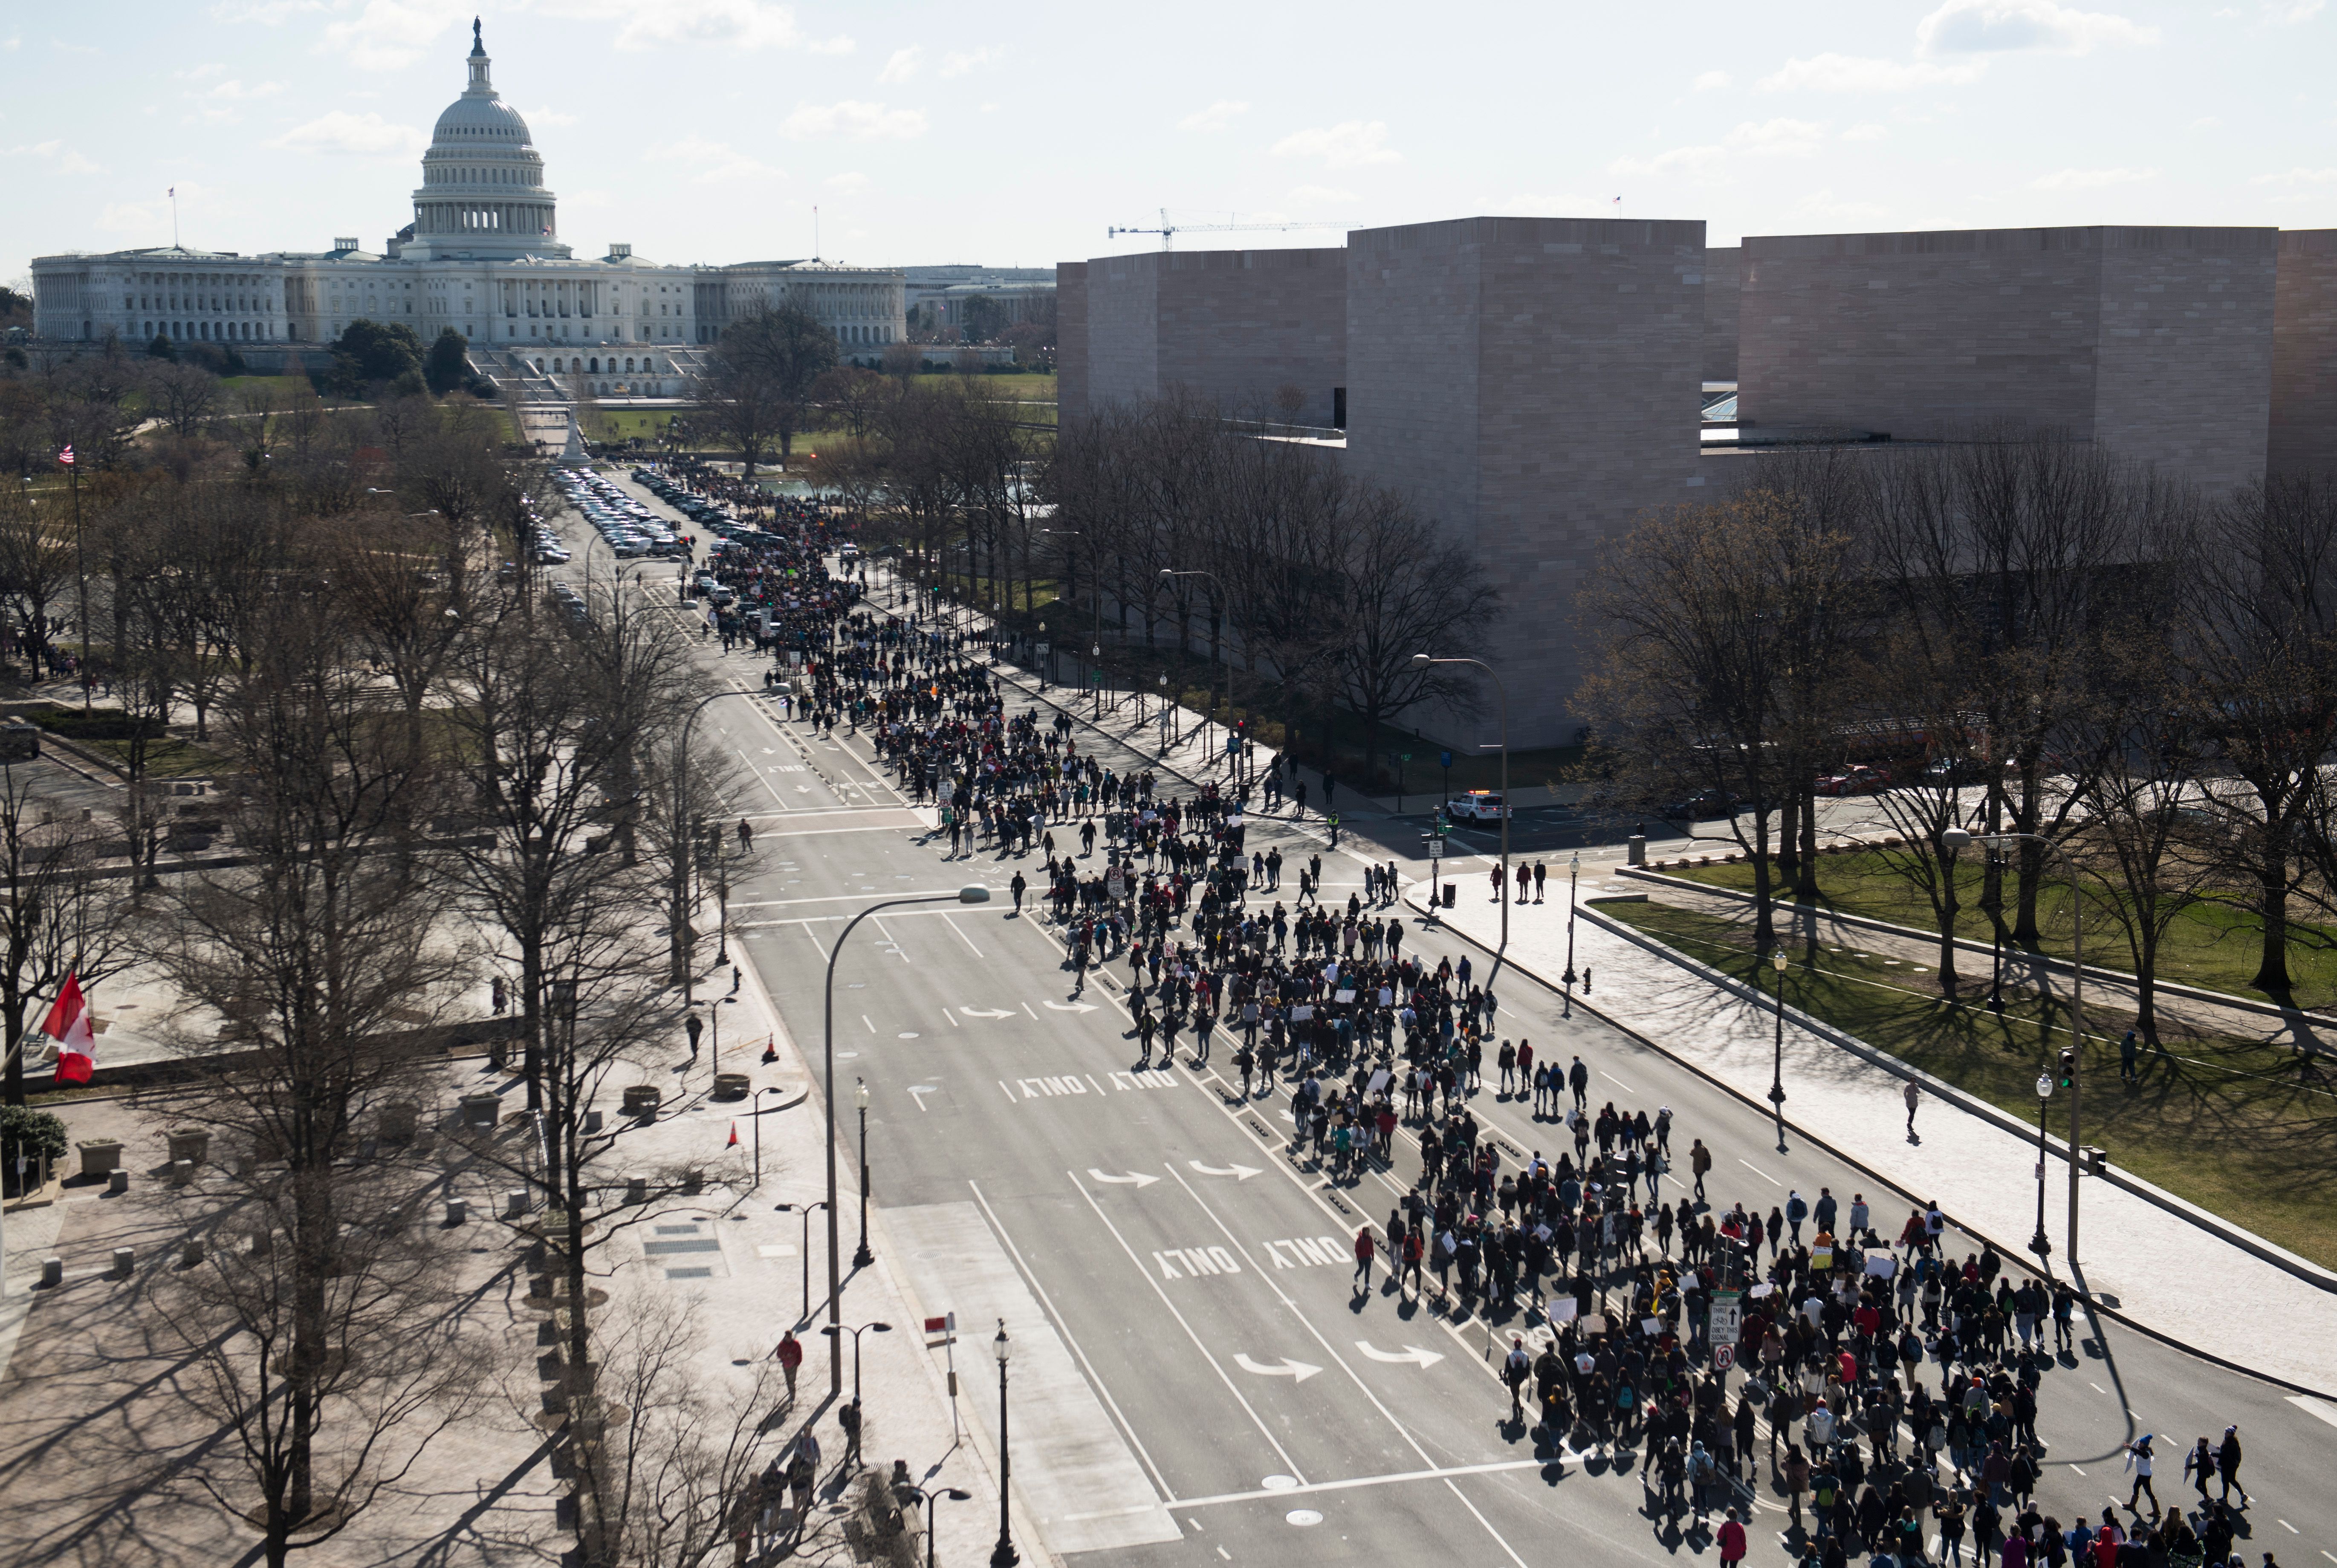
{"type": "Point", "coordinates": [1195, 1376]}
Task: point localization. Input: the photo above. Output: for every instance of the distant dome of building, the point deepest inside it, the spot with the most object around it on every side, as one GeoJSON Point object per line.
{"type": "Point", "coordinates": [480, 114]}
{"type": "Point", "coordinates": [483, 192]}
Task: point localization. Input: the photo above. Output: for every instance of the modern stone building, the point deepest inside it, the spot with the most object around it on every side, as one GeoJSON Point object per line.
{"type": "Point", "coordinates": [1262, 332]}
{"type": "Point", "coordinates": [2157, 341]}
{"type": "Point", "coordinates": [482, 255]}
{"type": "Point", "coordinates": [1533, 383]}
{"type": "Point", "coordinates": [1723, 268]}
{"type": "Point", "coordinates": [2304, 438]}
{"type": "Point", "coordinates": [1070, 339]}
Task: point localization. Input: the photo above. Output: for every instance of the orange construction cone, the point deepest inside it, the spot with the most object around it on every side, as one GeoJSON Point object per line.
{"type": "Point", "coordinates": [733, 1134]}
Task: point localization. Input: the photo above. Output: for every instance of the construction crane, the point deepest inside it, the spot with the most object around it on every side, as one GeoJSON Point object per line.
{"type": "Point", "coordinates": [1168, 231]}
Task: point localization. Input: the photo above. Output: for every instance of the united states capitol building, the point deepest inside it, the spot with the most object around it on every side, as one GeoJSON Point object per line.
{"type": "Point", "coordinates": [482, 255]}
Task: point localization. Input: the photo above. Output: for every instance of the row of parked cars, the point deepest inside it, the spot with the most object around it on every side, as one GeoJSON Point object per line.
{"type": "Point", "coordinates": [695, 508]}
{"type": "Point", "coordinates": [631, 529]}
{"type": "Point", "coordinates": [1851, 779]}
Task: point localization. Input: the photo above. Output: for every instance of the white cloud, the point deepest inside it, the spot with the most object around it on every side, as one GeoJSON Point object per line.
{"type": "Point", "coordinates": [547, 117]}
{"type": "Point", "coordinates": [1710, 80]}
{"type": "Point", "coordinates": [1820, 206]}
{"type": "Point", "coordinates": [2208, 122]}
{"type": "Point", "coordinates": [267, 13]}
{"type": "Point", "coordinates": [1763, 139]}
{"type": "Point", "coordinates": [1217, 116]}
{"type": "Point", "coordinates": [2090, 178]}
{"type": "Point", "coordinates": [1349, 144]}
{"type": "Point", "coordinates": [129, 218]}
{"type": "Point", "coordinates": [990, 109]}
{"type": "Point", "coordinates": [1320, 195]}
{"type": "Point", "coordinates": [2289, 15]}
{"type": "Point", "coordinates": [713, 162]}
{"type": "Point", "coordinates": [198, 72]}
{"type": "Point", "coordinates": [60, 158]}
{"type": "Point", "coordinates": [958, 64]}
{"type": "Point", "coordinates": [902, 65]}
{"type": "Point", "coordinates": [11, 42]}
{"type": "Point", "coordinates": [849, 184]}
{"type": "Point", "coordinates": [390, 33]}
{"type": "Point", "coordinates": [363, 135]}
{"type": "Point", "coordinates": [237, 92]}
{"type": "Point", "coordinates": [2297, 176]}
{"type": "Point", "coordinates": [1997, 26]}
{"type": "Point", "coordinates": [1526, 204]}
{"type": "Point", "coordinates": [1788, 138]}
{"type": "Point", "coordinates": [726, 23]}
{"type": "Point", "coordinates": [1869, 131]}
{"type": "Point", "coordinates": [847, 117]}
{"type": "Point", "coordinates": [1854, 73]}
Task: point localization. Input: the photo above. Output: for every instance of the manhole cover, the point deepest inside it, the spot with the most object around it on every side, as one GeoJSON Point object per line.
{"type": "Point", "coordinates": [1279, 1482]}
{"type": "Point", "coordinates": [1304, 1516]}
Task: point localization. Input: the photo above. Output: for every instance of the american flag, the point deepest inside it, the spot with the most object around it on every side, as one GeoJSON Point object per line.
{"type": "Point", "coordinates": [65, 457]}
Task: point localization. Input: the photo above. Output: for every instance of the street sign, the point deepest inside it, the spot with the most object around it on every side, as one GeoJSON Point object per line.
{"type": "Point", "coordinates": [1233, 744]}
{"type": "Point", "coordinates": [1724, 1357]}
{"type": "Point", "coordinates": [1727, 1317]}
{"type": "Point", "coordinates": [1444, 759]}
{"type": "Point", "coordinates": [1407, 757]}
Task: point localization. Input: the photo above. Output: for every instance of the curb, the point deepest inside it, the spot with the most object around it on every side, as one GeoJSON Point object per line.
{"type": "Point", "coordinates": [2014, 1257]}
{"type": "Point", "coordinates": [2117, 978]}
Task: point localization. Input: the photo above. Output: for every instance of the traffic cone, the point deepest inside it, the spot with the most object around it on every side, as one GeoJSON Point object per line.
{"type": "Point", "coordinates": [733, 1134]}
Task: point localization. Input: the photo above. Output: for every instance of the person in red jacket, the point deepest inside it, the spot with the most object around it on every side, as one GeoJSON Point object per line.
{"type": "Point", "coordinates": [1732, 1540]}
{"type": "Point", "coordinates": [1366, 1249]}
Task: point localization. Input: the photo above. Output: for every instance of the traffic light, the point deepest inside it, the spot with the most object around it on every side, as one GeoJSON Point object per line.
{"type": "Point", "coordinates": [2068, 1067]}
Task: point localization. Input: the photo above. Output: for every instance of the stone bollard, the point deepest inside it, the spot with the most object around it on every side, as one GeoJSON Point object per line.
{"type": "Point", "coordinates": [481, 1110]}
{"type": "Point", "coordinates": [263, 1242]}
{"type": "Point", "coordinates": [52, 1272]}
{"type": "Point", "coordinates": [515, 1203]}
{"type": "Point", "coordinates": [192, 1252]}
{"type": "Point", "coordinates": [457, 1211]}
{"type": "Point", "coordinates": [118, 1181]}
{"type": "Point", "coordinates": [591, 1120]}
{"type": "Point", "coordinates": [124, 1260]}
{"type": "Point", "coordinates": [183, 1172]}
{"type": "Point", "coordinates": [637, 1189]}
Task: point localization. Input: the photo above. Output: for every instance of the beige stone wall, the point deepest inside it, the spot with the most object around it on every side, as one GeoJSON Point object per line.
{"type": "Point", "coordinates": [2303, 435]}
{"type": "Point", "coordinates": [1123, 330]}
{"type": "Point", "coordinates": [1240, 326]}
{"type": "Point", "coordinates": [1070, 339]}
{"type": "Point", "coordinates": [1722, 269]}
{"type": "Point", "coordinates": [1533, 384]}
{"type": "Point", "coordinates": [2185, 365]}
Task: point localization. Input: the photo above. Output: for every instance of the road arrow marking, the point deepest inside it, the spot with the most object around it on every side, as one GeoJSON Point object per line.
{"type": "Point", "coordinates": [986, 1012]}
{"type": "Point", "coordinates": [1139, 1179]}
{"type": "Point", "coordinates": [1073, 1007]}
{"type": "Point", "coordinates": [1411, 1353]}
{"type": "Point", "coordinates": [1297, 1371]}
{"type": "Point", "coordinates": [1238, 1172]}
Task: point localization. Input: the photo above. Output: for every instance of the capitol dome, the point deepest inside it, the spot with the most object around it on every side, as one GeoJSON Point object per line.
{"type": "Point", "coordinates": [483, 192]}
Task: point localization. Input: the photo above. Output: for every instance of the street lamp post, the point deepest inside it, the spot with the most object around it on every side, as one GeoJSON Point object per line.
{"type": "Point", "coordinates": [1955, 839]}
{"type": "Point", "coordinates": [1095, 591]}
{"type": "Point", "coordinates": [686, 839]}
{"type": "Point", "coordinates": [929, 1499]}
{"type": "Point", "coordinates": [967, 895]}
{"type": "Point", "coordinates": [2038, 1243]}
{"type": "Point", "coordinates": [1421, 661]}
{"type": "Point", "coordinates": [758, 1118]}
{"type": "Point", "coordinates": [836, 1332]}
{"type": "Point", "coordinates": [1573, 879]}
{"type": "Point", "coordinates": [1170, 571]}
{"type": "Point", "coordinates": [862, 1257]}
{"type": "Point", "coordinates": [806, 1211]}
{"type": "Point", "coordinates": [1004, 1555]}
{"type": "Point", "coordinates": [1777, 1069]}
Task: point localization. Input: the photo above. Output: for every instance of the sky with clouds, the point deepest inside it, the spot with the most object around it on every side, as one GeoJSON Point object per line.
{"type": "Point", "coordinates": [708, 130]}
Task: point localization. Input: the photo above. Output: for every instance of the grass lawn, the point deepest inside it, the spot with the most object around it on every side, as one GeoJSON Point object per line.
{"type": "Point", "coordinates": [621, 424]}
{"type": "Point", "coordinates": [1023, 386]}
{"type": "Point", "coordinates": [284, 387]}
{"type": "Point", "coordinates": [2246, 1130]}
{"type": "Point", "coordinates": [2212, 945]}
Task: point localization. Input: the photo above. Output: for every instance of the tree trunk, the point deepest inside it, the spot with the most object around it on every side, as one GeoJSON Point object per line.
{"type": "Point", "coordinates": [1764, 916]}
{"type": "Point", "coordinates": [1951, 905]}
{"type": "Point", "coordinates": [1805, 815]}
{"type": "Point", "coordinates": [2271, 976]}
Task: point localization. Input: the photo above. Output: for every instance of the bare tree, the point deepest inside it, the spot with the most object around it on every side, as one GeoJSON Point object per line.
{"type": "Point", "coordinates": [61, 914]}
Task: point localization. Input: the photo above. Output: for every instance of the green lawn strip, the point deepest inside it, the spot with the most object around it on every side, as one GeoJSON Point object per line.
{"type": "Point", "coordinates": [2210, 945]}
{"type": "Point", "coordinates": [2244, 1129]}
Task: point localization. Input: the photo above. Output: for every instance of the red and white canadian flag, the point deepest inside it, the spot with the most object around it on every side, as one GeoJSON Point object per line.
{"type": "Point", "coordinates": [65, 457]}
{"type": "Point", "coordinates": [68, 1025]}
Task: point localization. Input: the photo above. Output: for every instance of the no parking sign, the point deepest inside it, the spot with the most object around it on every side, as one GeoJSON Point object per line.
{"type": "Point", "coordinates": [1724, 1357]}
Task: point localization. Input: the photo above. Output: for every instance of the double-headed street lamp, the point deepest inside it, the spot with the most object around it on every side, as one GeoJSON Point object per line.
{"type": "Point", "coordinates": [1955, 839]}
{"type": "Point", "coordinates": [1095, 590]}
{"type": "Point", "coordinates": [967, 895]}
{"type": "Point", "coordinates": [836, 1332]}
{"type": "Point", "coordinates": [918, 1494]}
{"type": "Point", "coordinates": [1573, 878]}
{"type": "Point", "coordinates": [1196, 571]}
{"type": "Point", "coordinates": [1004, 1555]}
{"type": "Point", "coordinates": [2038, 1243]}
{"type": "Point", "coordinates": [862, 1257]}
{"type": "Point", "coordinates": [806, 1211]}
{"type": "Point", "coordinates": [1421, 661]}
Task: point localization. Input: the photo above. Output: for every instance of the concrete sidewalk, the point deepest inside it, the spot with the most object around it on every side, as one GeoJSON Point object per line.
{"type": "Point", "coordinates": [2153, 1267]}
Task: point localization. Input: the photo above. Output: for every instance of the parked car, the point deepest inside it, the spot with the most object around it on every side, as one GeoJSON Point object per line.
{"type": "Point", "coordinates": [1955, 770]}
{"type": "Point", "coordinates": [1704, 805]}
{"type": "Point", "coordinates": [1856, 779]}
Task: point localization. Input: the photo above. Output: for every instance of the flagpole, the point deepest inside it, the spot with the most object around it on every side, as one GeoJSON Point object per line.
{"type": "Point", "coordinates": [81, 578]}
{"type": "Point", "coordinates": [174, 218]}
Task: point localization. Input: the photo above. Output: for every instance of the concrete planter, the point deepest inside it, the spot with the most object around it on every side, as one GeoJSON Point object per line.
{"type": "Point", "coordinates": [192, 1144]}
{"type": "Point", "coordinates": [99, 1157]}
{"type": "Point", "coordinates": [399, 1118]}
{"type": "Point", "coordinates": [731, 1086]}
{"type": "Point", "coordinates": [643, 1099]}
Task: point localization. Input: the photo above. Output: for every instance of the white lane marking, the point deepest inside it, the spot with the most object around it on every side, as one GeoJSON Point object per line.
{"type": "Point", "coordinates": [837, 899]}
{"type": "Point", "coordinates": [2097, 1387]}
{"type": "Point", "coordinates": [951, 1016]}
{"type": "Point", "coordinates": [1411, 1353]}
{"type": "Point", "coordinates": [1026, 1008]}
{"type": "Point", "coordinates": [1135, 1179]}
{"type": "Point", "coordinates": [2287, 1527]}
{"type": "Point", "coordinates": [1760, 1172]}
{"type": "Point", "coordinates": [1297, 1371]}
{"type": "Point", "coordinates": [1238, 1172]}
{"type": "Point", "coordinates": [951, 920]}
{"type": "Point", "coordinates": [1063, 1329]}
{"type": "Point", "coordinates": [1008, 1092]}
{"type": "Point", "coordinates": [1071, 1007]}
{"type": "Point", "coordinates": [985, 1012]}
{"type": "Point", "coordinates": [1272, 1441]}
{"type": "Point", "coordinates": [1491, 1468]}
{"type": "Point", "coordinates": [919, 1091]}
{"type": "Point", "coordinates": [2313, 1406]}
{"type": "Point", "coordinates": [872, 1027]}
{"type": "Point", "coordinates": [1616, 1082]}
